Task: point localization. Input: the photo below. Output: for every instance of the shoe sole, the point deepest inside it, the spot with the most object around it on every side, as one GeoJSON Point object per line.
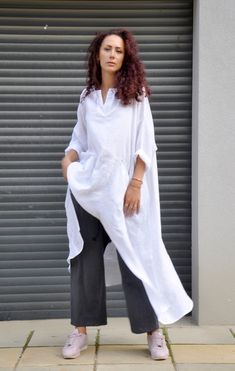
{"type": "Point", "coordinates": [76, 355]}
{"type": "Point", "coordinates": [159, 358]}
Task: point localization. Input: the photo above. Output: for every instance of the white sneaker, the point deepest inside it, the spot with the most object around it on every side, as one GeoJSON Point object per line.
{"type": "Point", "coordinates": [75, 343]}
{"type": "Point", "coordinates": [157, 345]}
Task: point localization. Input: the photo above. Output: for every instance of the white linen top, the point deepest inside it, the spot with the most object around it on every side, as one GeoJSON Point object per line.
{"type": "Point", "coordinates": [108, 137]}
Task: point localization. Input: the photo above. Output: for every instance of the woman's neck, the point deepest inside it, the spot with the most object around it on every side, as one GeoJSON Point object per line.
{"type": "Point", "coordinates": [108, 81]}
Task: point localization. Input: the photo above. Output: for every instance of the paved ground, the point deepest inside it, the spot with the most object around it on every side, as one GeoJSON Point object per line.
{"type": "Point", "coordinates": [36, 346]}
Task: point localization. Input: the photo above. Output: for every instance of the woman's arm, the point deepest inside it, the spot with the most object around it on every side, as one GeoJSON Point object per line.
{"type": "Point", "coordinates": [132, 196]}
{"type": "Point", "coordinates": [70, 157]}
{"type": "Point", "coordinates": [139, 169]}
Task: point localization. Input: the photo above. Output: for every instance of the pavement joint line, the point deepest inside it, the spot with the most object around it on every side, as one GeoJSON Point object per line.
{"type": "Point", "coordinates": [29, 337]}
{"type": "Point", "coordinates": [233, 333]}
{"type": "Point", "coordinates": [97, 345]}
{"type": "Point", "coordinates": [165, 332]}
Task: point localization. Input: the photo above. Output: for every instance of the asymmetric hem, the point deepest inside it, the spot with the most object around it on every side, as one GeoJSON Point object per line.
{"type": "Point", "coordinates": [108, 137]}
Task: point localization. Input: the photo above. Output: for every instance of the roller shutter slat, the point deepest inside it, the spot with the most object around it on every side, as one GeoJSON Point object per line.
{"type": "Point", "coordinates": [42, 50]}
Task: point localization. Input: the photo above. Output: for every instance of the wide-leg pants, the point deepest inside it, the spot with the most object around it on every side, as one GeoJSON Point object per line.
{"type": "Point", "coordinates": [88, 291]}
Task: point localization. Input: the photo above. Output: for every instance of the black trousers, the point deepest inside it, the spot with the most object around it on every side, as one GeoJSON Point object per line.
{"type": "Point", "coordinates": [88, 291]}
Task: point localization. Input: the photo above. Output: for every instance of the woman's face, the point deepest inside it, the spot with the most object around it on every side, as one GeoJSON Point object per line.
{"type": "Point", "coordinates": [111, 53]}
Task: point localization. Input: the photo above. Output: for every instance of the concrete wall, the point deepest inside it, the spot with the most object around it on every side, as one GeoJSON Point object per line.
{"type": "Point", "coordinates": [213, 159]}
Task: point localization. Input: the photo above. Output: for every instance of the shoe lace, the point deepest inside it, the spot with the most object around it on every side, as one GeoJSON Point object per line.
{"type": "Point", "coordinates": [159, 342]}
{"type": "Point", "coordinates": [71, 338]}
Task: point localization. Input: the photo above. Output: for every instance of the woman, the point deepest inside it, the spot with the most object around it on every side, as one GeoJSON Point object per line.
{"type": "Point", "coordinates": [110, 166]}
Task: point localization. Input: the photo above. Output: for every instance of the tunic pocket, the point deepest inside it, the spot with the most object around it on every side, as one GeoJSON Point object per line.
{"type": "Point", "coordinates": [93, 171]}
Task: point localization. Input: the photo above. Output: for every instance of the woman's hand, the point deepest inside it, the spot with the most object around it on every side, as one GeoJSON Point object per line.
{"type": "Point", "coordinates": [131, 203]}
{"type": "Point", "coordinates": [64, 165]}
{"type": "Point", "coordinates": [70, 157]}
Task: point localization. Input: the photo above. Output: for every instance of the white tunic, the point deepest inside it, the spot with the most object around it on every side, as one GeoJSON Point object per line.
{"type": "Point", "coordinates": [108, 137]}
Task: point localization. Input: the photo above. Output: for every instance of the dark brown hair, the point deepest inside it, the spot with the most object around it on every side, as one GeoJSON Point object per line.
{"type": "Point", "coordinates": [130, 79]}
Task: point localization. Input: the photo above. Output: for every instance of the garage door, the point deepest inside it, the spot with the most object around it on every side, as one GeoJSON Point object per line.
{"type": "Point", "coordinates": [42, 49]}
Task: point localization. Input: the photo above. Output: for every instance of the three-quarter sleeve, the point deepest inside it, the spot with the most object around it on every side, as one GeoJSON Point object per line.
{"type": "Point", "coordinates": [78, 140]}
{"type": "Point", "coordinates": [145, 139]}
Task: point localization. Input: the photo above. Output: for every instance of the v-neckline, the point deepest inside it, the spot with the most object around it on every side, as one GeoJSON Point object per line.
{"type": "Point", "coordinates": [105, 108]}
{"type": "Point", "coordinates": [106, 97]}
{"type": "Point", "coordinates": [104, 103]}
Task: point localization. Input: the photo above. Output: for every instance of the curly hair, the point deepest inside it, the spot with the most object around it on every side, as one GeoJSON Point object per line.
{"type": "Point", "coordinates": [130, 79]}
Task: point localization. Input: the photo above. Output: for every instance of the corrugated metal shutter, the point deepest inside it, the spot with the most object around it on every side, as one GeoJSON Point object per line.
{"type": "Point", "coordinates": [42, 46]}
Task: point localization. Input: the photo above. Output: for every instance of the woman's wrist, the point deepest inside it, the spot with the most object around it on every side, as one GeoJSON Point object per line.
{"type": "Point", "coordinates": [72, 155]}
{"type": "Point", "coordinates": [140, 181]}
{"type": "Point", "coordinates": [136, 182]}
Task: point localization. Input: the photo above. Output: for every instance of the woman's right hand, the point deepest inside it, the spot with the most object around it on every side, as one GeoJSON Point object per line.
{"type": "Point", "coordinates": [65, 162]}
{"type": "Point", "coordinates": [70, 157]}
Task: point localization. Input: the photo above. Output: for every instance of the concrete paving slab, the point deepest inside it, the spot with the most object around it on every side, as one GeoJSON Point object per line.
{"type": "Point", "coordinates": [201, 335]}
{"type": "Point", "coordinates": [125, 354]}
{"type": "Point", "coordinates": [205, 367]}
{"type": "Point", "coordinates": [117, 322]}
{"type": "Point", "coordinates": [58, 368]}
{"type": "Point", "coordinates": [56, 335]}
{"type": "Point", "coordinates": [9, 357]}
{"type": "Point", "coordinates": [13, 336]}
{"type": "Point", "coordinates": [118, 332]}
{"type": "Point", "coordinates": [53, 323]}
{"type": "Point", "coordinates": [51, 332]}
{"type": "Point", "coordinates": [158, 365]}
{"type": "Point", "coordinates": [29, 324]}
{"type": "Point", "coordinates": [16, 332]}
{"type": "Point", "coordinates": [203, 353]}
{"type": "Point", "coordinates": [185, 321]}
{"type": "Point", "coordinates": [51, 356]}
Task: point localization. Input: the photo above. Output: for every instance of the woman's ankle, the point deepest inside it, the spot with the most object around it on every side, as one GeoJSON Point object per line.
{"type": "Point", "coordinates": [82, 330]}
{"type": "Point", "coordinates": [156, 330]}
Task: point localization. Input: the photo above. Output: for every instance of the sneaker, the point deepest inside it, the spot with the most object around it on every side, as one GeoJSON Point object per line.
{"type": "Point", "coordinates": [157, 345]}
{"type": "Point", "coordinates": [75, 343]}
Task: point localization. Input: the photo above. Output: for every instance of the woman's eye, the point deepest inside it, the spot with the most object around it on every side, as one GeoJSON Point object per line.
{"type": "Point", "coordinates": [107, 49]}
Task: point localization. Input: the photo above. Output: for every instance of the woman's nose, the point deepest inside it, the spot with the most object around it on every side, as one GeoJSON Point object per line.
{"type": "Point", "coordinates": [112, 55]}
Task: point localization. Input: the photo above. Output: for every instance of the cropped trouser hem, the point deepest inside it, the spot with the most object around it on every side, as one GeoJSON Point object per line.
{"type": "Point", "coordinates": [145, 329]}
{"type": "Point", "coordinates": [84, 323]}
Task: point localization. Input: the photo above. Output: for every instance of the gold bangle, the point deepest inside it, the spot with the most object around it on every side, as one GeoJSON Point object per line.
{"type": "Point", "coordinates": [139, 180]}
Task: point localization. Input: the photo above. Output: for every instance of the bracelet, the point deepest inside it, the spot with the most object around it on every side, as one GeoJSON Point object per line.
{"type": "Point", "coordinates": [135, 185]}
{"type": "Point", "coordinates": [139, 180]}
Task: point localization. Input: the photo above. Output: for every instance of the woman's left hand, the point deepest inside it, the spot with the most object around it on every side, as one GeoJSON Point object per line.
{"type": "Point", "coordinates": [131, 203]}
